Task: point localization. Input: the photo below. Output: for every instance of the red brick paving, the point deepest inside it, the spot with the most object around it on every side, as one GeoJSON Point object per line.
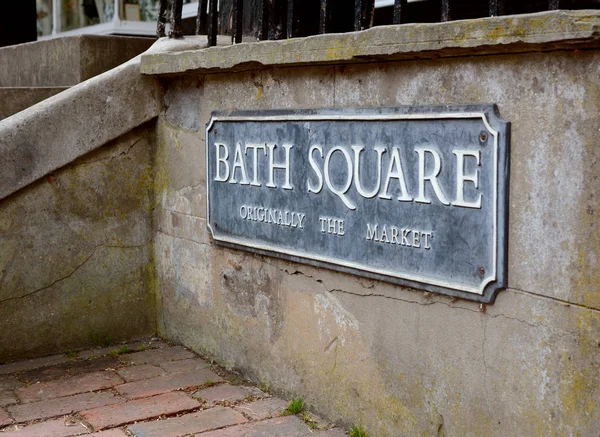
{"type": "Point", "coordinates": [230, 393]}
{"type": "Point", "coordinates": [9, 382]}
{"type": "Point", "coordinates": [157, 356]}
{"type": "Point", "coordinates": [70, 386]}
{"type": "Point", "coordinates": [289, 426]}
{"type": "Point", "coordinates": [136, 373]}
{"type": "Point", "coordinates": [263, 409]}
{"type": "Point", "coordinates": [185, 365]}
{"type": "Point", "coordinates": [4, 418]}
{"type": "Point", "coordinates": [99, 392]}
{"type": "Point", "coordinates": [63, 427]}
{"type": "Point", "coordinates": [70, 368]}
{"type": "Point", "coordinates": [140, 409]}
{"type": "Point", "coordinates": [7, 397]}
{"type": "Point", "coordinates": [109, 433]}
{"type": "Point", "coordinates": [61, 406]}
{"type": "Point", "coordinates": [164, 384]}
{"type": "Point", "coordinates": [206, 420]}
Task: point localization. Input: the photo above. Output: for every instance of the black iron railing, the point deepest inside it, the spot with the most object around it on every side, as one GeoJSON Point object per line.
{"type": "Point", "coordinates": [280, 19]}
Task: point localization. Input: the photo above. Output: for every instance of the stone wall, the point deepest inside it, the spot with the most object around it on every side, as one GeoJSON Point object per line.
{"type": "Point", "coordinates": [399, 361]}
{"type": "Point", "coordinates": [103, 228]}
{"type": "Point", "coordinates": [76, 253]}
{"type": "Point", "coordinates": [76, 201]}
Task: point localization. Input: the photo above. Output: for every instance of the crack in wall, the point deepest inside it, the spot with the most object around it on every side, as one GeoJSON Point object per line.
{"type": "Point", "coordinates": [56, 281]}
{"type": "Point", "coordinates": [450, 303]}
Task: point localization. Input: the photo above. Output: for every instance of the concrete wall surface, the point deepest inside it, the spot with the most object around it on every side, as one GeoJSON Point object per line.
{"type": "Point", "coordinates": [67, 61]}
{"type": "Point", "coordinates": [15, 99]}
{"type": "Point", "coordinates": [76, 259]}
{"type": "Point", "coordinates": [103, 228]}
{"type": "Point", "coordinates": [76, 253]}
{"type": "Point", "coordinates": [399, 361]}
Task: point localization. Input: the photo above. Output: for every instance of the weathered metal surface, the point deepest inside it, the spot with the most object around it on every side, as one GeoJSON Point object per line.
{"type": "Point", "coordinates": [415, 196]}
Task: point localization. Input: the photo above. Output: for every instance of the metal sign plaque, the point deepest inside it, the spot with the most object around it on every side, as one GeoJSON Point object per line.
{"type": "Point", "coordinates": [412, 195]}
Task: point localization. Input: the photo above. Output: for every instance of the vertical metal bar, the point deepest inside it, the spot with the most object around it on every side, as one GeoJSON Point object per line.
{"type": "Point", "coordinates": [262, 22]}
{"type": "Point", "coordinates": [445, 10]}
{"type": "Point", "coordinates": [56, 16]}
{"type": "Point", "coordinates": [324, 18]}
{"type": "Point", "coordinates": [213, 22]}
{"type": "Point", "coordinates": [553, 5]}
{"type": "Point", "coordinates": [277, 19]}
{"type": "Point", "coordinates": [358, 8]}
{"type": "Point", "coordinates": [162, 19]}
{"type": "Point", "coordinates": [496, 8]}
{"type": "Point", "coordinates": [291, 27]}
{"type": "Point", "coordinates": [202, 17]}
{"type": "Point", "coordinates": [176, 31]}
{"type": "Point", "coordinates": [238, 21]}
{"type": "Point", "coordinates": [400, 11]}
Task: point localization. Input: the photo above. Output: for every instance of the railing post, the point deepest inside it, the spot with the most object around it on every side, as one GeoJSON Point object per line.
{"type": "Point", "coordinates": [325, 17]}
{"type": "Point", "coordinates": [400, 11]}
{"type": "Point", "coordinates": [162, 19]}
{"type": "Point", "coordinates": [176, 31]}
{"type": "Point", "coordinates": [496, 8]}
{"type": "Point", "coordinates": [201, 17]}
{"type": "Point", "coordinates": [213, 22]}
{"type": "Point", "coordinates": [238, 21]}
{"type": "Point", "coordinates": [292, 20]}
{"type": "Point", "coordinates": [262, 19]}
{"type": "Point", "coordinates": [445, 10]}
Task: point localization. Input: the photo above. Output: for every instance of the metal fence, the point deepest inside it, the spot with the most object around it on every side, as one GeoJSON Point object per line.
{"type": "Point", "coordinates": [280, 19]}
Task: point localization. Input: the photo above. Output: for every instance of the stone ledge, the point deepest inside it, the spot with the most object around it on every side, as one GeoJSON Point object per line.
{"type": "Point", "coordinates": [56, 131]}
{"type": "Point", "coordinates": [509, 34]}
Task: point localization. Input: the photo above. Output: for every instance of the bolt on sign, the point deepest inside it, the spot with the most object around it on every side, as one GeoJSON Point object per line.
{"type": "Point", "coordinates": [416, 196]}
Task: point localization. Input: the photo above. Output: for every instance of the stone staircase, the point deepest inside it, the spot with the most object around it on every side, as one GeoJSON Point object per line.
{"type": "Point", "coordinates": [32, 72]}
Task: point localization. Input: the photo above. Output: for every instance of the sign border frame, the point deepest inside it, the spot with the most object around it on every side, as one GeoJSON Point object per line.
{"type": "Point", "coordinates": [498, 129]}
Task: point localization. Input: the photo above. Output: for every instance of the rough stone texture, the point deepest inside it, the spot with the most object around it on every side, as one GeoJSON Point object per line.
{"type": "Point", "coordinates": [535, 32]}
{"type": "Point", "coordinates": [119, 414]}
{"type": "Point", "coordinates": [61, 406]}
{"type": "Point", "coordinates": [13, 100]}
{"type": "Point", "coordinates": [66, 61]}
{"type": "Point", "coordinates": [206, 420]}
{"type": "Point", "coordinates": [400, 361]}
{"type": "Point", "coordinates": [76, 246]}
{"type": "Point", "coordinates": [66, 126]}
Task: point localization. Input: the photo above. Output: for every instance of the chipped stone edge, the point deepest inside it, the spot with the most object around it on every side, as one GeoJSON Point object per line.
{"type": "Point", "coordinates": [552, 30]}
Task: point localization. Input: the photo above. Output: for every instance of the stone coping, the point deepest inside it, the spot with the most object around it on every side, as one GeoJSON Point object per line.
{"type": "Point", "coordinates": [507, 34]}
{"type": "Point", "coordinates": [60, 129]}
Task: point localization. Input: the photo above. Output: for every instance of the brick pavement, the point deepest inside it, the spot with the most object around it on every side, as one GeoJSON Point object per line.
{"type": "Point", "coordinates": [147, 389]}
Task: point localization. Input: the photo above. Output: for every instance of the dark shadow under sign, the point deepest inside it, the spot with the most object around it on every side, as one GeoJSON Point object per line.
{"type": "Point", "coordinates": [416, 196]}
